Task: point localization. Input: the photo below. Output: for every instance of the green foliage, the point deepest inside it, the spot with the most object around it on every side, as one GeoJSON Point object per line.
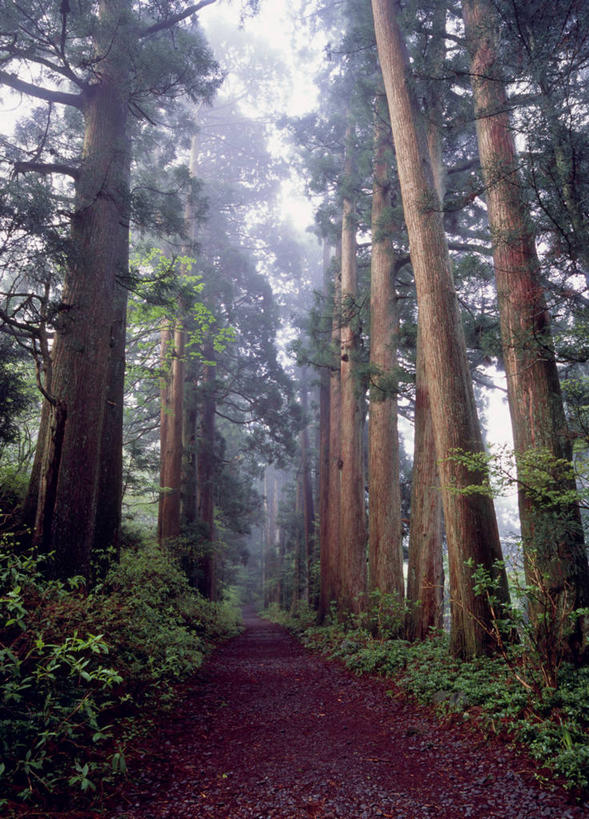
{"type": "Point", "coordinates": [55, 689]}
{"type": "Point", "coordinates": [384, 615]}
{"type": "Point", "coordinates": [73, 664]}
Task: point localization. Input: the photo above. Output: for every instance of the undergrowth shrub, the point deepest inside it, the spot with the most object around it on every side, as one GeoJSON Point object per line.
{"type": "Point", "coordinates": [73, 664]}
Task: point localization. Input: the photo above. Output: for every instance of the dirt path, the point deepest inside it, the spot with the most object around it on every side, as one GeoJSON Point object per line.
{"type": "Point", "coordinates": [269, 729]}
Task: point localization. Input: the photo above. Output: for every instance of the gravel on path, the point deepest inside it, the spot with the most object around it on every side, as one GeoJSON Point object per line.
{"type": "Point", "coordinates": [270, 730]}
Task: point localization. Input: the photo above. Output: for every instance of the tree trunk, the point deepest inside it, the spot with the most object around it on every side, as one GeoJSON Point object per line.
{"type": "Point", "coordinates": [385, 552]}
{"type": "Point", "coordinates": [425, 574]}
{"type": "Point", "coordinates": [325, 591]}
{"type": "Point", "coordinates": [192, 373]}
{"type": "Point", "coordinates": [352, 534]}
{"type": "Point", "coordinates": [171, 424]}
{"type": "Point", "coordinates": [552, 533]}
{"type": "Point", "coordinates": [471, 527]}
{"type": "Point", "coordinates": [306, 496]}
{"type": "Point", "coordinates": [110, 490]}
{"type": "Point", "coordinates": [330, 577]}
{"type": "Point", "coordinates": [69, 490]}
{"type": "Point", "coordinates": [206, 477]}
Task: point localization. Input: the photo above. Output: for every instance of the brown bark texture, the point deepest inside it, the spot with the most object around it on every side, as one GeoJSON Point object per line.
{"type": "Point", "coordinates": [330, 572]}
{"type": "Point", "coordinates": [425, 571]}
{"type": "Point", "coordinates": [352, 533]}
{"type": "Point", "coordinates": [552, 533]}
{"type": "Point", "coordinates": [471, 527]}
{"type": "Point", "coordinates": [385, 552]}
{"type": "Point", "coordinates": [192, 374]}
{"type": "Point", "coordinates": [306, 495]}
{"type": "Point", "coordinates": [69, 488]}
{"type": "Point", "coordinates": [171, 428]}
{"type": "Point", "coordinates": [324, 459]}
{"type": "Point", "coordinates": [110, 488]}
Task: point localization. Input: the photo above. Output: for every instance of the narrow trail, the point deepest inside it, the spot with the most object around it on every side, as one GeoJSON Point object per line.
{"type": "Point", "coordinates": [269, 729]}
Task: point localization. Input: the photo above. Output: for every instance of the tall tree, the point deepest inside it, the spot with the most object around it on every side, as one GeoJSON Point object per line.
{"type": "Point", "coordinates": [352, 533]}
{"type": "Point", "coordinates": [326, 589]}
{"type": "Point", "coordinates": [385, 553]}
{"type": "Point", "coordinates": [425, 572]}
{"type": "Point", "coordinates": [552, 532]}
{"type": "Point", "coordinates": [471, 527]}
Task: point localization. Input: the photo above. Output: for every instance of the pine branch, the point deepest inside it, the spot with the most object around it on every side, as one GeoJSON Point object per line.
{"type": "Point", "coordinates": [46, 168]}
{"type": "Point", "coordinates": [468, 248]}
{"type": "Point", "coordinates": [64, 70]}
{"type": "Point", "coordinates": [177, 18]}
{"type": "Point", "coordinates": [47, 94]}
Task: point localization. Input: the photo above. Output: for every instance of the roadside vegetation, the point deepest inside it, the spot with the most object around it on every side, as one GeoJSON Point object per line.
{"type": "Point", "coordinates": [81, 672]}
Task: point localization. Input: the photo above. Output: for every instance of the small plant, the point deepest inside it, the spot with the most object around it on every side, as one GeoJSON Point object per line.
{"type": "Point", "coordinates": [74, 665]}
{"type": "Point", "coordinates": [541, 647]}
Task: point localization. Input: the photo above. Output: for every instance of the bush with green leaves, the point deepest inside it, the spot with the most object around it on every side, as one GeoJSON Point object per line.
{"type": "Point", "coordinates": [74, 663]}
{"type": "Point", "coordinates": [55, 689]}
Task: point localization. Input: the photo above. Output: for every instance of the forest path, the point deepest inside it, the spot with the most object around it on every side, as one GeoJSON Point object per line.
{"type": "Point", "coordinates": [269, 729]}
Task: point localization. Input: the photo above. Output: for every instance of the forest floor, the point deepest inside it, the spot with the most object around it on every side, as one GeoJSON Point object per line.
{"type": "Point", "coordinates": [268, 729]}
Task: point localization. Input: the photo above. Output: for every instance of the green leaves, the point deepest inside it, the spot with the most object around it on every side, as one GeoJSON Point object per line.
{"type": "Point", "coordinates": [63, 683]}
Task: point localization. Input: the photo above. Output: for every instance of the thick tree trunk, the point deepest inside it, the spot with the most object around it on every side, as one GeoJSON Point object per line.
{"type": "Point", "coordinates": [352, 534]}
{"type": "Point", "coordinates": [69, 488]}
{"type": "Point", "coordinates": [385, 552]}
{"type": "Point", "coordinates": [552, 533]}
{"type": "Point", "coordinates": [192, 374]}
{"type": "Point", "coordinates": [110, 490]}
{"type": "Point", "coordinates": [471, 527]}
{"type": "Point", "coordinates": [425, 574]}
{"type": "Point", "coordinates": [188, 507]}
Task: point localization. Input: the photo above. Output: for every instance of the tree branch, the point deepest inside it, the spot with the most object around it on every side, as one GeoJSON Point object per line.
{"type": "Point", "coordinates": [177, 18]}
{"type": "Point", "coordinates": [46, 168]}
{"type": "Point", "coordinates": [64, 70]}
{"type": "Point", "coordinates": [467, 248]}
{"type": "Point", "coordinates": [39, 92]}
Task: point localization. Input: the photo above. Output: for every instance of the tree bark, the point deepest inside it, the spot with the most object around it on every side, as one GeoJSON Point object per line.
{"type": "Point", "coordinates": [552, 533]}
{"type": "Point", "coordinates": [171, 424]}
{"type": "Point", "coordinates": [325, 591]}
{"type": "Point", "coordinates": [330, 590]}
{"type": "Point", "coordinates": [425, 572]}
{"type": "Point", "coordinates": [110, 489]}
{"type": "Point", "coordinates": [206, 476]}
{"type": "Point", "coordinates": [471, 527]}
{"type": "Point", "coordinates": [352, 534]}
{"type": "Point", "coordinates": [385, 552]}
{"type": "Point", "coordinates": [306, 496]}
{"type": "Point", "coordinates": [69, 489]}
